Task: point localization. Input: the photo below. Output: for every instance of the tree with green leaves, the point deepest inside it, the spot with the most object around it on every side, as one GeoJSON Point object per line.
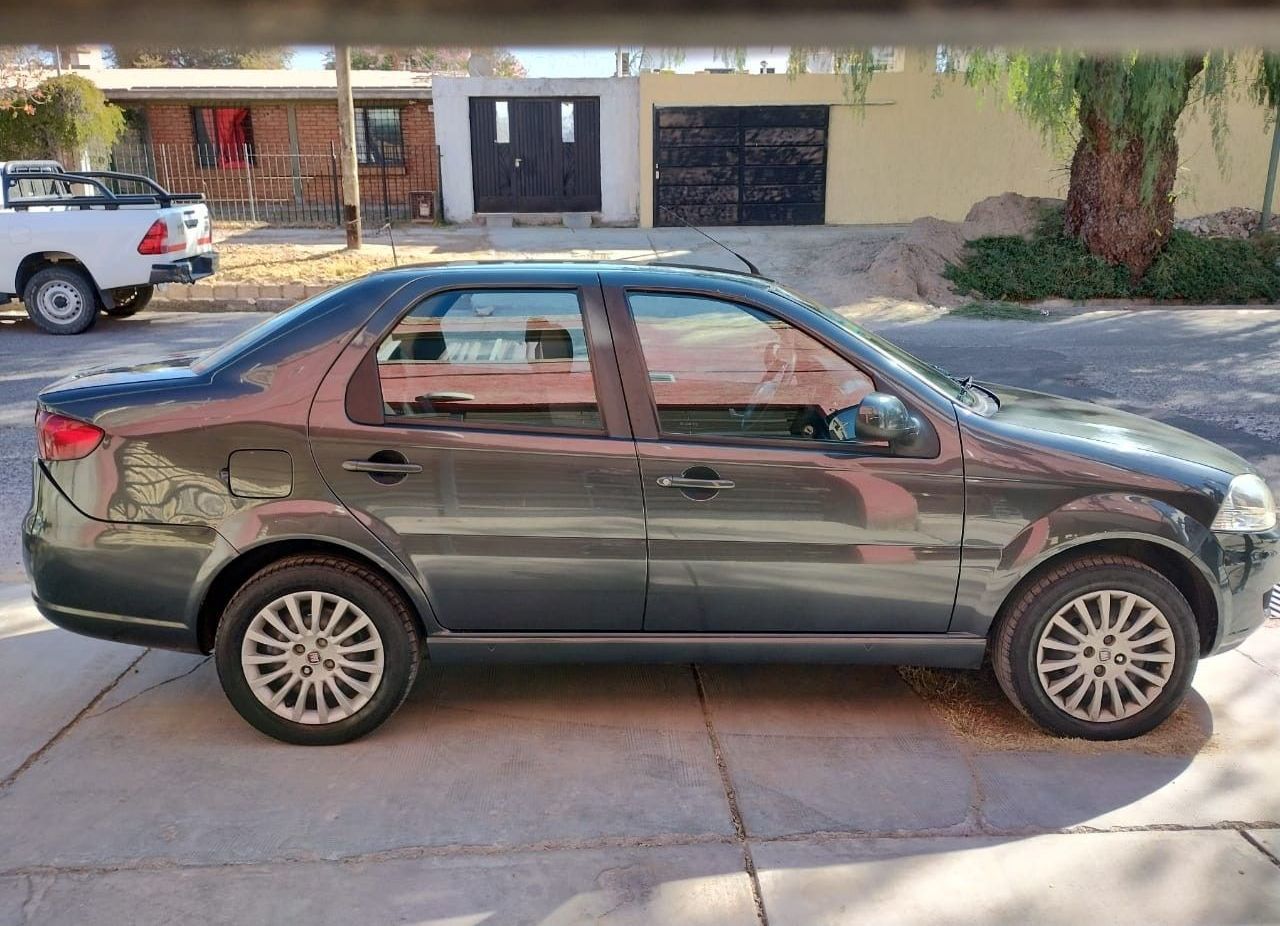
{"type": "Point", "coordinates": [60, 118]}
{"type": "Point", "coordinates": [158, 56]}
{"type": "Point", "coordinates": [1117, 113]}
{"type": "Point", "coordinates": [502, 62]}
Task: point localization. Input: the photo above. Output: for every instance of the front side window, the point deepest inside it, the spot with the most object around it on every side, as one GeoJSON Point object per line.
{"type": "Point", "coordinates": [224, 135]}
{"type": "Point", "coordinates": [507, 358]}
{"type": "Point", "coordinates": [720, 369]}
{"type": "Point", "coordinates": [378, 136]}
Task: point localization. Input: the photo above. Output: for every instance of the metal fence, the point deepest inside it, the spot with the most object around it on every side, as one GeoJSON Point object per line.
{"type": "Point", "coordinates": [281, 187]}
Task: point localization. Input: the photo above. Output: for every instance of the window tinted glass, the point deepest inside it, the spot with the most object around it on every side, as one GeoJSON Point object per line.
{"type": "Point", "coordinates": [485, 357]}
{"type": "Point", "coordinates": [717, 368]}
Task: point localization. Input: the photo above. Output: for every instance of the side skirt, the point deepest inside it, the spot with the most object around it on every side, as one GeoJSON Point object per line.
{"type": "Point", "coordinates": [943, 650]}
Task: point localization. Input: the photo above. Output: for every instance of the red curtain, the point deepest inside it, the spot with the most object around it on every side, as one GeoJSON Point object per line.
{"type": "Point", "coordinates": [231, 127]}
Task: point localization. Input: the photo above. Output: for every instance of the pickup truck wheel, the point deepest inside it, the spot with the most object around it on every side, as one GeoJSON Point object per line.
{"type": "Point", "coordinates": [61, 300]}
{"type": "Point", "coordinates": [129, 300]}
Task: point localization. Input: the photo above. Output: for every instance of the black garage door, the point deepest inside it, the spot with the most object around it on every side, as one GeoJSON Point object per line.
{"type": "Point", "coordinates": [740, 165]}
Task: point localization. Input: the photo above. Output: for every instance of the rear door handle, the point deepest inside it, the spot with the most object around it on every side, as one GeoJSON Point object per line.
{"type": "Point", "coordinates": [683, 482]}
{"type": "Point", "coordinates": [376, 466]}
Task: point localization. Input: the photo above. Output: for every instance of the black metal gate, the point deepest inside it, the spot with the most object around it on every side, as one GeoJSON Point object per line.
{"type": "Point", "coordinates": [740, 165]}
{"type": "Point", "coordinates": [536, 154]}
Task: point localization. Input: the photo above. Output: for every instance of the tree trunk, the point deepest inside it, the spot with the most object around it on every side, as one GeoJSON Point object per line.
{"type": "Point", "coordinates": [1106, 208]}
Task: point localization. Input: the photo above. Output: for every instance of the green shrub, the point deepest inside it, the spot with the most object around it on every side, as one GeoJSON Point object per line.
{"type": "Point", "coordinates": [1212, 270]}
{"type": "Point", "coordinates": [1053, 266]}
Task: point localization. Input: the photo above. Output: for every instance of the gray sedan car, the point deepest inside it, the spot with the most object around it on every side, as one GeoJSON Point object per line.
{"type": "Point", "coordinates": [563, 461]}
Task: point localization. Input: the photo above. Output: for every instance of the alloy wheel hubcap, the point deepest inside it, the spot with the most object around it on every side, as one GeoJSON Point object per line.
{"type": "Point", "coordinates": [1105, 656]}
{"type": "Point", "coordinates": [59, 301]}
{"type": "Point", "coordinates": [312, 657]}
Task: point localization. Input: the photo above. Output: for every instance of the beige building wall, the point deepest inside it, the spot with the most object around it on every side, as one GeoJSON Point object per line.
{"type": "Point", "coordinates": [924, 146]}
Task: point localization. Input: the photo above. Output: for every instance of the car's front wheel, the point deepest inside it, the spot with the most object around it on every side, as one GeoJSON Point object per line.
{"type": "Point", "coordinates": [317, 650]}
{"type": "Point", "coordinates": [1101, 647]}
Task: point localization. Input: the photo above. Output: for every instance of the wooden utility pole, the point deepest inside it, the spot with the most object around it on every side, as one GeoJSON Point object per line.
{"type": "Point", "coordinates": [347, 129]}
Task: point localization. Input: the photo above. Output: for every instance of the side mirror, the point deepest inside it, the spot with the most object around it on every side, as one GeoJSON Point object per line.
{"type": "Point", "coordinates": [878, 417]}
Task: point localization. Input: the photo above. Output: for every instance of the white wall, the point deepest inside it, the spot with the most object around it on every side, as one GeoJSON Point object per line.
{"type": "Point", "coordinates": [619, 136]}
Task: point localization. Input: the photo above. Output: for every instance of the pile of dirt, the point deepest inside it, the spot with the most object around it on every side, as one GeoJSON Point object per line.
{"type": "Point", "coordinates": [911, 268]}
{"type": "Point", "coordinates": [1235, 222]}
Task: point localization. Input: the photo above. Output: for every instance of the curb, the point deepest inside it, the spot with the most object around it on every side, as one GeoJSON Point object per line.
{"type": "Point", "coordinates": [236, 297]}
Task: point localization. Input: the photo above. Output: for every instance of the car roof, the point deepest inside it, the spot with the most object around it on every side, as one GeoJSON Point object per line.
{"type": "Point", "coordinates": [687, 272]}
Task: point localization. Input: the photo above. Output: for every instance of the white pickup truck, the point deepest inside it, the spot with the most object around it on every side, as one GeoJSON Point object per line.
{"type": "Point", "coordinates": [73, 243]}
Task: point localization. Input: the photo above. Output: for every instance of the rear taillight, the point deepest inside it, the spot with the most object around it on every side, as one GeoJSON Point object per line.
{"type": "Point", "coordinates": [207, 236]}
{"type": "Point", "coordinates": [61, 438]}
{"type": "Point", "coordinates": [156, 240]}
{"type": "Point", "coordinates": [153, 241]}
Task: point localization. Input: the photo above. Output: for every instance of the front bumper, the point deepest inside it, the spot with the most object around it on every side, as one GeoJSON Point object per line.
{"type": "Point", "coordinates": [1249, 569]}
{"type": "Point", "coordinates": [132, 583]}
{"type": "Point", "coordinates": [187, 270]}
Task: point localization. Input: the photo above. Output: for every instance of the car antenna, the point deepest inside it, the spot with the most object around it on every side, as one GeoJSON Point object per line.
{"type": "Point", "coordinates": [755, 271]}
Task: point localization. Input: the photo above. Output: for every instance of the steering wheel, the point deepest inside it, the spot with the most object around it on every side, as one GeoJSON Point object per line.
{"type": "Point", "coordinates": [779, 369]}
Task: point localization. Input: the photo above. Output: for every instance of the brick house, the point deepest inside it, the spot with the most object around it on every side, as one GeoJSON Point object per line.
{"type": "Point", "coordinates": [261, 144]}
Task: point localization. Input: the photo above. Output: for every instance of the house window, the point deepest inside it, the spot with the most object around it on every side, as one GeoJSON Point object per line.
{"type": "Point", "coordinates": [886, 58]}
{"type": "Point", "coordinates": [378, 136]}
{"type": "Point", "coordinates": [224, 135]}
{"type": "Point", "coordinates": [501, 123]}
{"type": "Point", "coordinates": [566, 121]}
{"type": "Point", "coordinates": [951, 60]}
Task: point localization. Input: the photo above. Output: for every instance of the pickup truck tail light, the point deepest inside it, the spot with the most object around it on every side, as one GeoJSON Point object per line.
{"type": "Point", "coordinates": [156, 240]}
{"type": "Point", "coordinates": [61, 438]}
{"type": "Point", "coordinates": [206, 236]}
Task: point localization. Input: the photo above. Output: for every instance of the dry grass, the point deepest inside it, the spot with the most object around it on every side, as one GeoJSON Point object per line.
{"type": "Point", "coordinates": [973, 705]}
{"type": "Point", "coordinates": [310, 263]}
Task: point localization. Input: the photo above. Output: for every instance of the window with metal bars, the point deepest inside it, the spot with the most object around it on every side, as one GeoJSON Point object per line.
{"type": "Point", "coordinates": [224, 135]}
{"type": "Point", "coordinates": [379, 139]}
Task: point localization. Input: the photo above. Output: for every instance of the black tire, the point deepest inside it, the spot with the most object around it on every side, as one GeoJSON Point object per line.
{"type": "Point", "coordinates": [61, 300]}
{"type": "Point", "coordinates": [1018, 633]}
{"type": "Point", "coordinates": [129, 300]}
{"type": "Point", "coordinates": [366, 590]}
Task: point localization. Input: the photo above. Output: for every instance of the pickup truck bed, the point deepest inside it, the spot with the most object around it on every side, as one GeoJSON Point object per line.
{"type": "Point", "coordinates": [75, 243]}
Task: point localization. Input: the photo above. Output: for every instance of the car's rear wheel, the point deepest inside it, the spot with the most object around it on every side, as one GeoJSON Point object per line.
{"type": "Point", "coordinates": [61, 300]}
{"type": "Point", "coordinates": [129, 300]}
{"type": "Point", "coordinates": [1102, 647]}
{"type": "Point", "coordinates": [317, 650]}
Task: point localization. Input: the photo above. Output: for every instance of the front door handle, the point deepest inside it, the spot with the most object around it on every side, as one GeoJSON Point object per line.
{"type": "Point", "coordinates": [378, 466]}
{"type": "Point", "coordinates": [683, 482]}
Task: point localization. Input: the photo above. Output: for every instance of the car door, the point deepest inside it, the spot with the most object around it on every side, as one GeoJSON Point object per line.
{"type": "Point", "coordinates": [480, 431]}
{"type": "Point", "coordinates": [759, 520]}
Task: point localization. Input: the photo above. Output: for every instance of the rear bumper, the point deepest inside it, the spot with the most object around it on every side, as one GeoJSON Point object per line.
{"type": "Point", "coordinates": [85, 574]}
{"type": "Point", "coordinates": [187, 270]}
{"type": "Point", "coordinates": [1249, 570]}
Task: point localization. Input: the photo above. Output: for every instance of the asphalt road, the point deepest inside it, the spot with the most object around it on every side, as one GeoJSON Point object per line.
{"type": "Point", "coordinates": [777, 795]}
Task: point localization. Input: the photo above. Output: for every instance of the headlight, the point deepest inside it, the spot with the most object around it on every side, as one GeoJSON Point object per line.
{"type": "Point", "coordinates": [1248, 507]}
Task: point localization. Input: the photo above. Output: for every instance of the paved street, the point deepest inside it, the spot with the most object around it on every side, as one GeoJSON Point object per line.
{"type": "Point", "coordinates": [131, 792]}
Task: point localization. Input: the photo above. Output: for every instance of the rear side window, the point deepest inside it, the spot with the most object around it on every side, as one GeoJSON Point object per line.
{"type": "Point", "coordinates": [506, 358]}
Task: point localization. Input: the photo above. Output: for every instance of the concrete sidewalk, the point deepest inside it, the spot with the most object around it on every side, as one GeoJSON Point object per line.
{"type": "Point", "coordinates": [648, 794]}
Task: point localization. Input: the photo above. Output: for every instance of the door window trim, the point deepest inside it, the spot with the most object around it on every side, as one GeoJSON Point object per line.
{"type": "Point", "coordinates": [595, 346]}
{"type": "Point", "coordinates": [635, 370]}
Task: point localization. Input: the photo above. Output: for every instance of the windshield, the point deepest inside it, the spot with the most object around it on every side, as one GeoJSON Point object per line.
{"type": "Point", "coordinates": [938, 378]}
